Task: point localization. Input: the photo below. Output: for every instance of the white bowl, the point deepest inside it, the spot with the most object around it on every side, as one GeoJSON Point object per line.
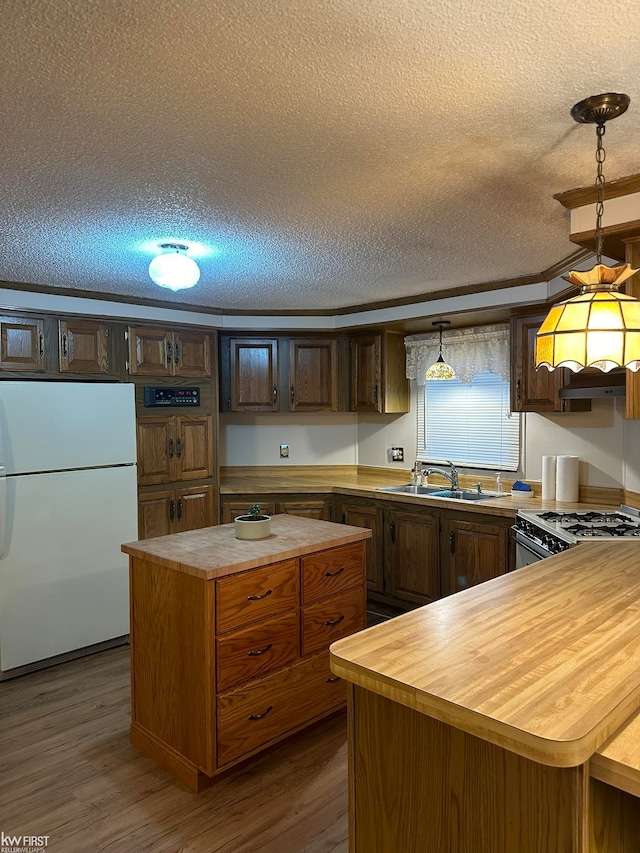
{"type": "Point", "coordinates": [252, 528]}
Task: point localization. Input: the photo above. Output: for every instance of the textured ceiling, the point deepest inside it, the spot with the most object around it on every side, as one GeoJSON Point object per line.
{"type": "Point", "coordinates": [320, 153]}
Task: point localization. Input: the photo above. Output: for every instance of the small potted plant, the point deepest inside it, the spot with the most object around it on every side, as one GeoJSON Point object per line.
{"type": "Point", "coordinates": [254, 525]}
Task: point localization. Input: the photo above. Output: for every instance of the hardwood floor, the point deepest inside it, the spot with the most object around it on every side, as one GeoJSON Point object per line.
{"type": "Point", "coordinates": [68, 770]}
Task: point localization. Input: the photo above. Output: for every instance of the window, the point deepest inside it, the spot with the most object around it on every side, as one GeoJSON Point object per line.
{"type": "Point", "coordinates": [469, 423]}
{"type": "Point", "coordinates": [467, 419]}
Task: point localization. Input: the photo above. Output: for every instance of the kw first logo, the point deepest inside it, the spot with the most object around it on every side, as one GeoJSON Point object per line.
{"type": "Point", "coordinates": [22, 843]}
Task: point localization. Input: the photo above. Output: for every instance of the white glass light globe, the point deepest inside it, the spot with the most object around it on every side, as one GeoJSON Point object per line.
{"type": "Point", "coordinates": [174, 270]}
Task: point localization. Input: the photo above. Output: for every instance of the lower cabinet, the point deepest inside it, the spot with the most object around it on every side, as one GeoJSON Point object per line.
{"type": "Point", "coordinates": [418, 554]}
{"type": "Point", "coordinates": [174, 511]}
{"type": "Point", "coordinates": [477, 552]}
{"type": "Point", "coordinates": [222, 668]}
{"type": "Point", "coordinates": [306, 506]}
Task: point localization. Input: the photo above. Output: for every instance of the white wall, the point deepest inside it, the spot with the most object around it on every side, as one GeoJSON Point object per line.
{"type": "Point", "coordinates": [313, 439]}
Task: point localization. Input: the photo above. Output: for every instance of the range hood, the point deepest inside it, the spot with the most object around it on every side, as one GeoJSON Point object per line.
{"type": "Point", "coordinates": [592, 383]}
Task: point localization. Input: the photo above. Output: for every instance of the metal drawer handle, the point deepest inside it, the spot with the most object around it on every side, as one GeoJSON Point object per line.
{"type": "Point", "coordinates": [334, 679]}
{"type": "Point", "coordinates": [258, 652]}
{"type": "Point", "coordinates": [261, 716]}
{"type": "Point", "coordinates": [259, 597]}
{"type": "Point", "coordinates": [333, 574]}
{"type": "Point", "coordinates": [337, 621]}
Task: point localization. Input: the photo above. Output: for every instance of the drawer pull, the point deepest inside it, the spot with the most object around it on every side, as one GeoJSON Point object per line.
{"type": "Point", "coordinates": [331, 622]}
{"type": "Point", "coordinates": [333, 574]}
{"type": "Point", "coordinates": [261, 716]}
{"type": "Point", "coordinates": [259, 597]}
{"type": "Point", "coordinates": [333, 679]}
{"type": "Point", "coordinates": [257, 652]}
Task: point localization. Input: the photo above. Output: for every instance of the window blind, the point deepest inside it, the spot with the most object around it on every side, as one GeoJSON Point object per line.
{"type": "Point", "coordinates": [469, 423]}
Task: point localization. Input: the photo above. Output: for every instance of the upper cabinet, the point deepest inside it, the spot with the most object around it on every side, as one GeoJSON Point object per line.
{"type": "Point", "coordinates": [378, 380]}
{"type": "Point", "coordinates": [281, 374]}
{"type": "Point", "coordinates": [22, 343]}
{"type": "Point", "coordinates": [82, 346]}
{"type": "Point", "coordinates": [313, 375]}
{"type": "Point", "coordinates": [535, 390]}
{"type": "Point", "coordinates": [161, 352]}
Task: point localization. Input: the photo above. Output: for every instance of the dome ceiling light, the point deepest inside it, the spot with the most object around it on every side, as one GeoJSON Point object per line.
{"type": "Point", "coordinates": [173, 269]}
{"type": "Point", "coordinates": [600, 327]}
{"type": "Point", "coordinates": [440, 369]}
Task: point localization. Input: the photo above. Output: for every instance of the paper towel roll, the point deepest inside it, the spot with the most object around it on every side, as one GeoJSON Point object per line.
{"type": "Point", "coordinates": [567, 472]}
{"type": "Point", "coordinates": [548, 478]}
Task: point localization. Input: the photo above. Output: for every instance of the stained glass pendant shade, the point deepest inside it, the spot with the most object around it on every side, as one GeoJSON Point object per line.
{"type": "Point", "coordinates": [440, 369]}
{"type": "Point", "coordinates": [600, 327]}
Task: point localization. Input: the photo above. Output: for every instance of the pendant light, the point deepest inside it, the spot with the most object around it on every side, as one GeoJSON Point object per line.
{"type": "Point", "coordinates": [440, 369]}
{"type": "Point", "coordinates": [173, 269]}
{"type": "Point", "coordinates": [600, 327]}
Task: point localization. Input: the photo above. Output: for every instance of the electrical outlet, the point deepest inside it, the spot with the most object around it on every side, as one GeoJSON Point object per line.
{"type": "Point", "coordinates": [284, 451]}
{"type": "Point", "coordinates": [397, 454]}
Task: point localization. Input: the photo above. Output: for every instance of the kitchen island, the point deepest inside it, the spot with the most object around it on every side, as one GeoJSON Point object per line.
{"type": "Point", "coordinates": [474, 721]}
{"type": "Point", "coordinates": [229, 638]}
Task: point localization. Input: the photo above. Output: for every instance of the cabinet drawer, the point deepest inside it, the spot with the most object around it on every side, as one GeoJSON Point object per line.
{"type": "Point", "coordinates": [330, 572]}
{"type": "Point", "coordinates": [249, 596]}
{"type": "Point", "coordinates": [253, 716]}
{"type": "Point", "coordinates": [257, 650]}
{"type": "Point", "coordinates": [332, 618]}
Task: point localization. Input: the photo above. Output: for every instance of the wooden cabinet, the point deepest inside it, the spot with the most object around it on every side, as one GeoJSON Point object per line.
{"type": "Point", "coordinates": [225, 667]}
{"type": "Point", "coordinates": [174, 511]}
{"type": "Point", "coordinates": [161, 352]}
{"type": "Point", "coordinates": [22, 345]}
{"type": "Point", "coordinates": [414, 564]}
{"type": "Point", "coordinates": [254, 378]}
{"type": "Point", "coordinates": [369, 516]}
{"type": "Point", "coordinates": [173, 448]}
{"type": "Point", "coordinates": [536, 390]}
{"type": "Point", "coordinates": [477, 551]}
{"type": "Point", "coordinates": [281, 374]}
{"type": "Point", "coordinates": [83, 346]}
{"type": "Point", "coordinates": [378, 380]}
{"type": "Point", "coordinates": [313, 380]}
{"type": "Point", "coordinates": [305, 506]}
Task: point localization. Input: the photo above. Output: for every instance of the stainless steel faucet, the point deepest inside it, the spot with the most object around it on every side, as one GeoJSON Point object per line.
{"type": "Point", "coordinates": [452, 475]}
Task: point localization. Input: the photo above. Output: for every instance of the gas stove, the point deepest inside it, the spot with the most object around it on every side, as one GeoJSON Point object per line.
{"type": "Point", "coordinates": [546, 532]}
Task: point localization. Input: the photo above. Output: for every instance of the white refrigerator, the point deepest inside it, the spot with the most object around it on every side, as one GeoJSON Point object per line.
{"type": "Point", "coordinates": [68, 500]}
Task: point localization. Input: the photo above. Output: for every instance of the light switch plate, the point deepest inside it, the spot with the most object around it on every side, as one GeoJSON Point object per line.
{"type": "Point", "coordinates": [284, 451]}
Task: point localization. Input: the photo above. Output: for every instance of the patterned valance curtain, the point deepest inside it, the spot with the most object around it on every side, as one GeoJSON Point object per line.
{"type": "Point", "coordinates": [468, 351]}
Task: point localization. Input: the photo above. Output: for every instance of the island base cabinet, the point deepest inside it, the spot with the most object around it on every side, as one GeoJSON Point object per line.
{"type": "Point", "coordinates": [421, 786]}
{"type": "Point", "coordinates": [615, 820]}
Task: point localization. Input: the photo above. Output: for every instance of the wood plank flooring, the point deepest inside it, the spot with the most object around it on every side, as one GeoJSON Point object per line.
{"type": "Point", "coordinates": [68, 770]}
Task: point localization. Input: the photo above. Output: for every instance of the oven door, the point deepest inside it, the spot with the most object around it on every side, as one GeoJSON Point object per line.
{"type": "Point", "coordinates": [527, 551]}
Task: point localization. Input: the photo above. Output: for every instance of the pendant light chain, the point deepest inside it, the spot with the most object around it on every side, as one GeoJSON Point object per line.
{"type": "Point", "coordinates": [600, 183]}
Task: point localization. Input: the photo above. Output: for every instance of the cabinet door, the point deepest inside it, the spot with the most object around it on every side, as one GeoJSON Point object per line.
{"type": "Point", "coordinates": [191, 354]}
{"type": "Point", "coordinates": [477, 553]}
{"type": "Point", "coordinates": [193, 447]}
{"type": "Point", "coordinates": [156, 514]}
{"type": "Point", "coordinates": [253, 366]}
{"type": "Point", "coordinates": [21, 344]}
{"type": "Point", "coordinates": [366, 374]}
{"type": "Point", "coordinates": [194, 508]}
{"type": "Point", "coordinates": [414, 565]}
{"type": "Point", "coordinates": [150, 352]}
{"type": "Point", "coordinates": [82, 347]}
{"type": "Point", "coordinates": [313, 373]}
{"type": "Point", "coordinates": [156, 450]}
{"type": "Point", "coordinates": [305, 509]}
{"type": "Point", "coordinates": [371, 517]}
{"type": "Point", "coordinates": [232, 509]}
{"type": "Point", "coordinates": [531, 390]}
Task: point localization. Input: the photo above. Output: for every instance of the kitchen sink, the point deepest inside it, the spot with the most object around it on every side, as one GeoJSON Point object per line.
{"type": "Point", "coordinates": [439, 492]}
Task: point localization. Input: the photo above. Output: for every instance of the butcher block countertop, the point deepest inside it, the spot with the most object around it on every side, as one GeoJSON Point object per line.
{"type": "Point", "coordinates": [213, 552]}
{"type": "Point", "coordinates": [544, 662]}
